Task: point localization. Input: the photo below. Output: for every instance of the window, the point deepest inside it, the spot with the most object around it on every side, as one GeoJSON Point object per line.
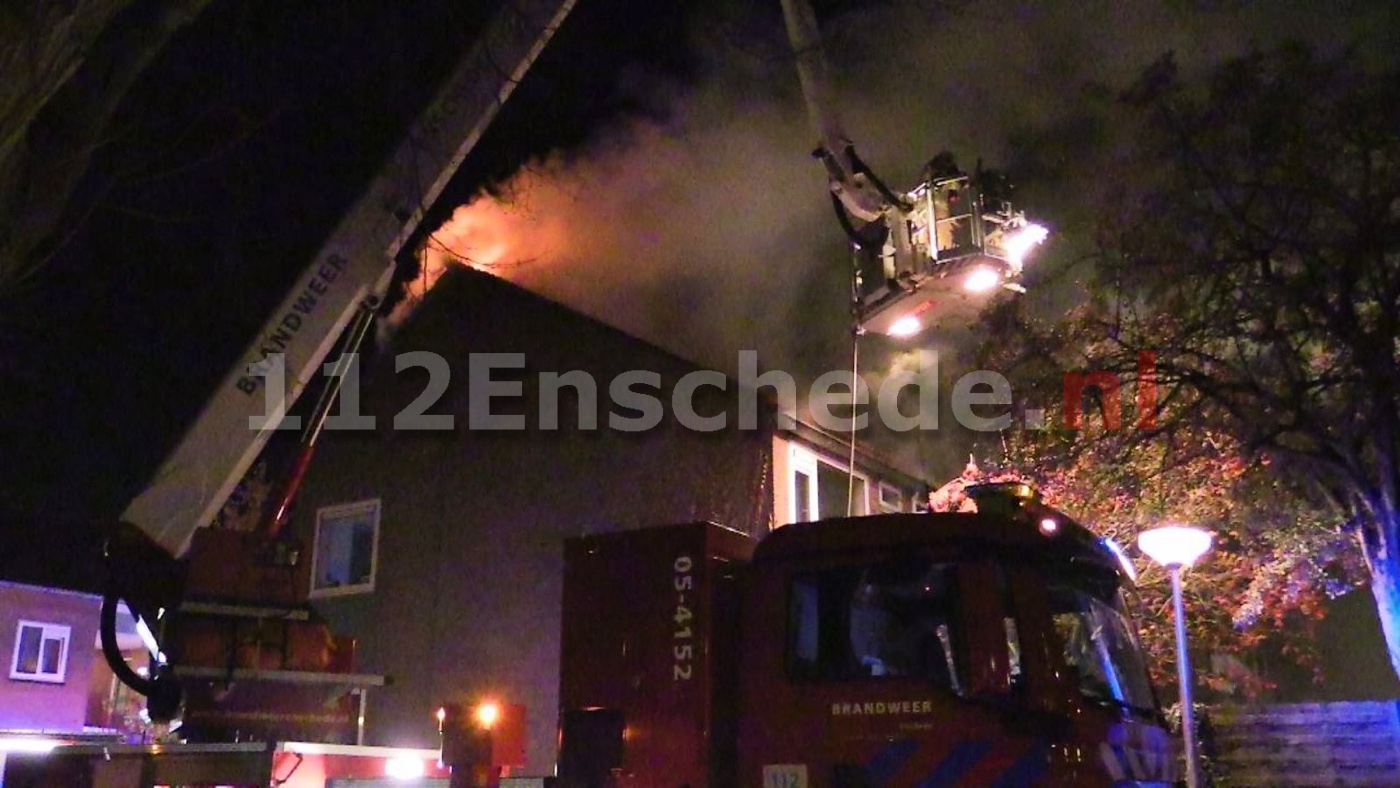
{"type": "Point", "coordinates": [835, 487]}
{"type": "Point", "coordinates": [41, 652]}
{"type": "Point", "coordinates": [1013, 650]}
{"type": "Point", "coordinates": [1101, 650]}
{"type": "Point", "coordinates": [881, 620]}
{"type": "Point", "coordinates": [891, 498]}
{"type": "Point", "coordinates": [346, 549]}
{"type": "Point", "coordinates": [819, 489]}
{"type": "Point", "coordinates": [803, 492]}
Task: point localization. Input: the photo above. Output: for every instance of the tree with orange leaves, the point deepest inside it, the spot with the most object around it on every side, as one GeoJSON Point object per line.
{"type": "Point", "coordinates": [1260, 591]}
{"type": "Point", "coordinates": [1247, 235]}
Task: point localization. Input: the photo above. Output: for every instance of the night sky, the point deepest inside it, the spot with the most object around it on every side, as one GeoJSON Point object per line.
{"type": "Point", "coordinates": [224, 172]}
{"type": "Point", "coordinates": [666, 189]}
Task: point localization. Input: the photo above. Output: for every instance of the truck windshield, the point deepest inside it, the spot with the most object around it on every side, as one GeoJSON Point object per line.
{"type": "Point", "coordinates": [1101, 649]}
{"type": "Point", "coordinates": [886, 619]}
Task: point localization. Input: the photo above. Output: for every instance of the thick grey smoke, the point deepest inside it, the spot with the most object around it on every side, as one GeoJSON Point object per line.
{"type": "Point", "coordinates": [712, 232]}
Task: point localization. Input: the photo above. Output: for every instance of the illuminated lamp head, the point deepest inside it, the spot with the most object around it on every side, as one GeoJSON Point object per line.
{"type": "Point", "coordinates": [1175, 546]}
{"type": "Point", "coordinates": [1019, 242]}
{"type": "Point", "coordinates": [981, 280]}
{"type": "Point", "coordinates": [905, 327]}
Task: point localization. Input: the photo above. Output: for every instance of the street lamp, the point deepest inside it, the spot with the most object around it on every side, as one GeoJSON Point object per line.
{"type": "Point", "coordinates": [1177, 547]}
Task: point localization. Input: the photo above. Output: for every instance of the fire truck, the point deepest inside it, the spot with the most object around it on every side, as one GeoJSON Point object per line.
{"type": "Point", "coordinates": [993, 648]}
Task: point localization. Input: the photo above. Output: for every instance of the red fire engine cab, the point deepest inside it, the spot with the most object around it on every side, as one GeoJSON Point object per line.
{"type": "Point", "coordinates": [985, 649]}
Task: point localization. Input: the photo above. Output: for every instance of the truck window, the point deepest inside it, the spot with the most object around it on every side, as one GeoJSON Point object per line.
{"type": "Point", "coordinates": [891, 619]}
{"type": "Point", "coordinates": [1013, 649]}
{"type": "Point", "coordinates": [1101, 649]}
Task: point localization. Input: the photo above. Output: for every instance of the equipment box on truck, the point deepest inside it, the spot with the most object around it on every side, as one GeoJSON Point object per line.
{"type": "Point", "coordinates": [649, 628]}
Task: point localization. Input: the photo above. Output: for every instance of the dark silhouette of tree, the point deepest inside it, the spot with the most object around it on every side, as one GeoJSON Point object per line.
{"type": "Point", "coordinates": [67, 67]}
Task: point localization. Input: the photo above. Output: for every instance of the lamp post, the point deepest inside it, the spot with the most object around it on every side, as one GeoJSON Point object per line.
{"type": "Point", "coordinates": [1177, 547]}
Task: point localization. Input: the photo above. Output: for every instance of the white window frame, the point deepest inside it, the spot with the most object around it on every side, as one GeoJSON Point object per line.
{"type": "Point", "coordinates": [886, 506]}
{"type": "Point", "coordinates": [862, 490]}
{"type": "Point", "coordinates": [48, 631]}
{"type": "Point", "coordinates": [329, 516]}
{"type": "Point", "coordinates": [805, 461]}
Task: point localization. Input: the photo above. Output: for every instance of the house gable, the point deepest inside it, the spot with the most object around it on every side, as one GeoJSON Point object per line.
{"type": "Point", "coordinates": [471, 522]}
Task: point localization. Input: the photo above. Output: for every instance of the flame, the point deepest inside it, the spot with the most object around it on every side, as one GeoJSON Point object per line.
{"type": "Point", "coordinates": [504, 234]}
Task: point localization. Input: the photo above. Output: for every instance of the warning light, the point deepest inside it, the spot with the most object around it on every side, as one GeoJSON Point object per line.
{"type": "Point", "coordinates": [487, 714]}
{"type": "Point", "coordinates": [404, 768]}
{"type": "Point", "coordinates": [27, 745]}
{"type": "Point", "coordinates": [1049, 526]}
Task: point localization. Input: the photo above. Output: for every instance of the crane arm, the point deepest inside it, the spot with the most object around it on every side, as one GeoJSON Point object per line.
{"type": "Point", "coordinates": [860, 193]}
{"type": "Point", "coordinates": [344, 285]}
{"type": "Point", "coordinates": [351, 273]}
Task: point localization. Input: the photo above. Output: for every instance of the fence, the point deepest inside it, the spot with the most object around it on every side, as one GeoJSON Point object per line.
{"type": "Point", "coordinates": [1307, 744]}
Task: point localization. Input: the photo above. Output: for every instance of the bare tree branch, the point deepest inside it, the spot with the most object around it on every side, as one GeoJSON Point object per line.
{"type": "Point", "coordinates": [63, 114]}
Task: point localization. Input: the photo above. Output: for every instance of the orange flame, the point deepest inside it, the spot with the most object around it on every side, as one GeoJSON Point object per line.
{"type": "Point", "coordinates": [503, 235]}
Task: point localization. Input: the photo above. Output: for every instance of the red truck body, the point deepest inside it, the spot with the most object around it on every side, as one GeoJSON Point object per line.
{"type": "Point", "coordinates": [650, 645]}
{"type": "Point", "coordinates": [895, 650]}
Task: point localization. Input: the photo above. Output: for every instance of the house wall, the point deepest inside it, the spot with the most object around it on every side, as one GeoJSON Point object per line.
{"type": "Point", "coordinates": [467, 592]}
{"type": "Point", "coordinates": [30, 705]}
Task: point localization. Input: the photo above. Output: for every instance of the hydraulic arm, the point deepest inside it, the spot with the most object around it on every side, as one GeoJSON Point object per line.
{"type": "Point", "coordinates": [344, 285]}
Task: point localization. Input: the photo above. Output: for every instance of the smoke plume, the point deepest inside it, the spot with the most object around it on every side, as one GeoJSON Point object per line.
{"type": "Point", "coordinates": [711, 231]}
